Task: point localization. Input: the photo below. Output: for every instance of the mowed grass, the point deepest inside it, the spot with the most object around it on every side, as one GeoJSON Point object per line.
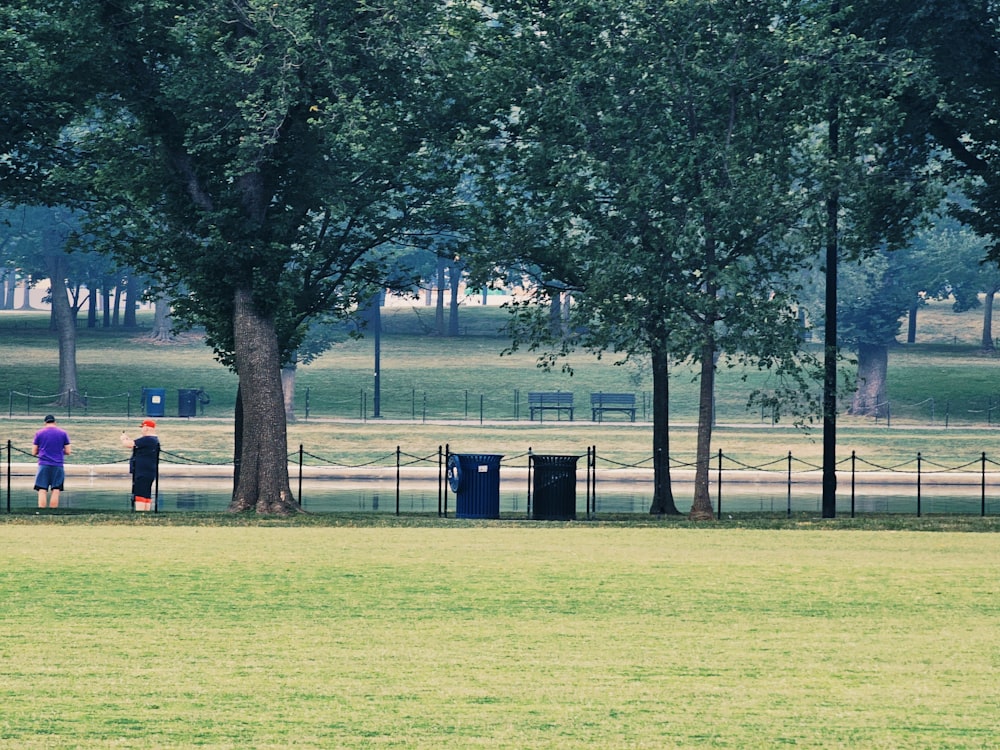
{"type": "Point", "coordinates": [482, 635]}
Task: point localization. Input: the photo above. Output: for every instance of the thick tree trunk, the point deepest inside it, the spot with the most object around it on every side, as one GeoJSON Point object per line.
{"type": "Point", "coordinates": [263, 484]}
{"type": "Point", "coordinates": [64, 323]}
{"type": "Point", "coordinates": [131, 302]}
{"type": "Point", "coordinates": [117, 304]}
{"type": "Point", "coordinates": [11, 283]}
{"type": "Point", "coordinates": [911, 327]}
{"type": "Point", "coordinates": [26, 294]}
{"type": "Point", "coordinates": [162, 330]}
{"type": "Point", "coordinates": [988, 345]}
{"type": "Point", "coordinates": [663, 494]}
{"type": "Point", "coordinates": [873, 365]}
{"type": "Point", "coordinates": [701, 509]}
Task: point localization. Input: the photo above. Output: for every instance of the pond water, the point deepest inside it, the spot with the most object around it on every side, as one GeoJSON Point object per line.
{"type": "Point", "coordinates": [332, 496]}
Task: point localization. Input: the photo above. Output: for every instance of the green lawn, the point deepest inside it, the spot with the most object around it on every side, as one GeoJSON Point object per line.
{"type": "Point", "coordinates": [474, 635]}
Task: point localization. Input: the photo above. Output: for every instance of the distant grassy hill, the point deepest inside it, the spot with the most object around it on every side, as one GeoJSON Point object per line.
{"type": "Point", "coordinates": [945, 375]}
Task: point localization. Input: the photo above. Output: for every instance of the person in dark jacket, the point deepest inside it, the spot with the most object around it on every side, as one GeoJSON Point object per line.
{"type": "Point", "coordinates": [144, 464]}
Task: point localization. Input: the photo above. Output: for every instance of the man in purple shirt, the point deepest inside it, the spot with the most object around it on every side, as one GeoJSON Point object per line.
{"type": "Point", "coordinates": [51, 446]}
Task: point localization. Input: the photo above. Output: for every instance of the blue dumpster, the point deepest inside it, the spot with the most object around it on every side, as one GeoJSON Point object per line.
{"type": "Point", "coordinates": [187, 402]}
{"type": "Point", "coordinates": [154, 401]}
{"type": "Point", "coordinates": [554, 487]}
{"type": "Point", "coordinates": [475, 480]}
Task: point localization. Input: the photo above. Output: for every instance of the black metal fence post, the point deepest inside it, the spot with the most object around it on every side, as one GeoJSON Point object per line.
{"type": "Point", "coordinates": [530, 463]}
{"type": "Point", "coordinates": [397, 479]}
{"type": "Point", "coordinates": [854, 458]}
{"type": "Point", "coordinates": [440, 477]}
{"type": "Point", "coordinates": [982, 473]}
{"type": "Point", "coordinates": [719, 488]}
{"type": "Point", "coordinates": [301, 456]}
{"type": "Point", "coordinates": [918, 483]}
{"type": "Point", "coordinates": [789, 514]}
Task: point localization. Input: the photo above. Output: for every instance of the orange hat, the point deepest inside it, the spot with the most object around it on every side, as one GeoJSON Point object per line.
{"type": "Point", "coordinates": [149, 423]}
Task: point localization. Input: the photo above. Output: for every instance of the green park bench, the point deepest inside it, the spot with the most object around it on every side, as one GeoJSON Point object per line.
{"type": "Point", "coordinates": [542, 401]}
{"type": "Point", "coordinates": [614, 402]}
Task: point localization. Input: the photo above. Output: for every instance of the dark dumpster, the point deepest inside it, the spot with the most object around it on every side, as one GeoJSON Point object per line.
{"type": "Point", "coordinates": [187, 402]}
{"type": "Point", "coordinates": [554, 487]}
{"type": "Point", "coordinates": [475, 480]}
{"type": "Point", "coordinates": [154, 401]}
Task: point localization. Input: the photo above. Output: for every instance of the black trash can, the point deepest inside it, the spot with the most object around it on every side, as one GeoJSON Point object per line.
{"type": "Point", "coordinates": [187, 402]}
{"type": "Point", "coordinates": [475, 480]}
{"type": "Point", "coordinates": [154, 401]}
{"type": "Point", "coordinates": [554, 488]}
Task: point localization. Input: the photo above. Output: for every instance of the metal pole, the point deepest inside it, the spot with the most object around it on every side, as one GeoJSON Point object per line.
{"type": "Point", "coordinates": [719, 487]}
{"type": "Point", "coordinates": [982, 508]}
{"type": "Point", "coordinates": [397, 480]}
{"type": "Point", "coordinates": [156, 491]}
{"type": "Point", "coordinates": [301, 453]}
{"type": "Point", "coordinates": [530, 463]}
{"type": "Point", "coordinates": [918, 483]}
{"type": "Point", "coordinates": [789, 484]}
{"type": "Point", "coordinates": [853, 477]}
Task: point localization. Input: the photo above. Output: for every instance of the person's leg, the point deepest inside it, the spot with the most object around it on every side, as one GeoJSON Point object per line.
{"type": "Point", "coordinates": [57, 476]}
{"type": "Point", "coordinates": [42, 486]}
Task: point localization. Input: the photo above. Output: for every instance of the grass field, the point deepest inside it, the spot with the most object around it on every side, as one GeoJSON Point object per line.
{"type": "Point", "coordinates": [363, 631]}
{"type": "Point", "coordinates": [472, 635]}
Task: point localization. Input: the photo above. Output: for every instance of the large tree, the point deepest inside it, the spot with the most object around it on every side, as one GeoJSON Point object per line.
{"type": "Point", "coordinates": [651, 167]}
{"type": "Point", "coordinates": [255, 157]}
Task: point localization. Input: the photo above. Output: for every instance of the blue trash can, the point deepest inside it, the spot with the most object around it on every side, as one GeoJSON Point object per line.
{"type": "Point", "coordinates": [187, 402]}
{"type": "Point", "coordinates": [475, 480]}
{"type": "Point", "coordinates": [554, 487]}
{"type": "Point", "coordinates": [154, 401]}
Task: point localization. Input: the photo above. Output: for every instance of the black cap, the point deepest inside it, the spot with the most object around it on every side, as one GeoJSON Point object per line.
{"type": "Point", "coordinates": [49, 418]}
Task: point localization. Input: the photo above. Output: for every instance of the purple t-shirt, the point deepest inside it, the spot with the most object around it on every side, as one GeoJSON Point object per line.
{"type": "Point", "coordinates": [51, 442]}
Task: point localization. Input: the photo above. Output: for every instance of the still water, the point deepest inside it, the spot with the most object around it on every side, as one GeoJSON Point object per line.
{"type": "Point", "coordinates": [330, 496]}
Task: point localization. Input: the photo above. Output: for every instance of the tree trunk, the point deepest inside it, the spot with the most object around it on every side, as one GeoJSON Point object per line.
{"type": "Point", "coordinates": [263, 484]}
{"type": "Point", "coordinates": [131, 301]}
{"type": "Point", "coordinates": [11, 287]}
{"type": "Point", "coordinates": [988, 345]}
{"type": "Point", "coordinates": [873, 364]}
{"type": "Point", "coordinates": [26, 298]}
{"type": "Point", "coordinates": [911, 326]}
{"type": "Point", "coordinates": [162, 330]}
{"type": "Point", "coordinates": [555, 314]}
{"type": "Point", "coordinates": [117, 304]}
{"type": "Point", "coordinates": [702, 510]}
{"type": "Point", "coordinates": [454, 279]}
{"type": "Point", "coordinates": [439, 326]}
{"type": "Point", "coordinates": [65, 327]}
{"type": "Point", "coordinates": [106, 296]}
{"type": "Point", "coordinates": [663, 494]}
{"type": "Point", "coordinates": [91, 308]}
{"type": "Point", "coordinates": [288, 390]}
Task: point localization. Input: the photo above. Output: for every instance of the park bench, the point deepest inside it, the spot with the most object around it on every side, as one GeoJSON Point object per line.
{"type": "Point", "coordinates": [602, 402]}
{"type": "Point", "coordinates": [541, 402]}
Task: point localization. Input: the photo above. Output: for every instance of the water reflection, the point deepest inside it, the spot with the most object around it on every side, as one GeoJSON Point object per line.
{"type": "Point", "coordinates": [207, 495]}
